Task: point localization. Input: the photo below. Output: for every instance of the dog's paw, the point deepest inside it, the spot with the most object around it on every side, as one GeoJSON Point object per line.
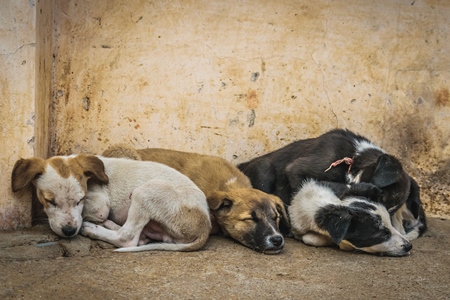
{"type": "Point", "coordinates": [367, 190]}
{"type": "Point", "coordinates": [346, 247]}
{"type": "Point", "coordinates": [88, 228]}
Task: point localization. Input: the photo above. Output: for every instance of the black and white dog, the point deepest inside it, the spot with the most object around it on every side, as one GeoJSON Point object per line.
{"type": "Point", "coordinates": [325, 213]}
{"type": "Point", "coordinates": [344, 157]}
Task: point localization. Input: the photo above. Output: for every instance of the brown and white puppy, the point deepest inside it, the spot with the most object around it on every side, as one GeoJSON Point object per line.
{"type": "Point", "coordinates": [130, 202]}
{"type": "Point", "coordinates": [247, 215]}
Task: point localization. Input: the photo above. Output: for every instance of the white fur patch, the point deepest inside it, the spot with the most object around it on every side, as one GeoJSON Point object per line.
{"type": "Point", "coordinates": [361, 146]}
{"type": "Point", "coordinates": [354, 179]}
{"type": "Point", "coordinates": [231, 180]}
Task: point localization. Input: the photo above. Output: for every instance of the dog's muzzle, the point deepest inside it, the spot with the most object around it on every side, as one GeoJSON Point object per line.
{"type": "Point", "coordinates": [277, 240]}
{"type": "Point", "coordinates": [69, 231]}
{"type": "Point", "coordinates": [275, 244]}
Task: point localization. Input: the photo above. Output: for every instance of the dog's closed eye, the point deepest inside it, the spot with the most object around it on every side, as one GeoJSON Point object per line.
{"type": "Point", "coordinates": [51, 201]}
{"type": "Point", "coordinates": [253, 217]}
{"type": "Point", "coordinates": [275, 215]}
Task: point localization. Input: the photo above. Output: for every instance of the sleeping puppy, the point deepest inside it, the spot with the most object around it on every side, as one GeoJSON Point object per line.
{"type": "Point", "coordinates": [124, 202]}
{"type": "Point", "coordinates": [344, 157]}
{"type": "Point", "coordinates": [324, 214]}
{"type": "Point", "coordinates": [247, 215]}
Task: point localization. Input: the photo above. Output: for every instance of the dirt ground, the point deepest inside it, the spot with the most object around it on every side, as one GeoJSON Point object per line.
{"type": "Point", "coordinates": [36, 264]}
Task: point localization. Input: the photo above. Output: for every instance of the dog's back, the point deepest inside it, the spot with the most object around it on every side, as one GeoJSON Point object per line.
{"type": "Point", "coordinates": [282, 171]}
{"type": "Point", "coordinates": [209, 173]}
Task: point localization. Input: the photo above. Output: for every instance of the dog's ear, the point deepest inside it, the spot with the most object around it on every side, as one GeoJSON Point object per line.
{"type": "Point", "coordinates": [25, 170]}
{"type": "Point", "coordinates": [336, 220]}
{"type": "Point", "coordinates": [413, 201]}
{"type": "Point", "coordinates": [388, 171]}
{"type": "Point", "coordinates": [93, 168]}
{"type": "Point", "coordinates": [219, 200]}
{"type": "Point", "coordinates": [285, 226]}
{"type": "Point", "coordinates": [414, 204]}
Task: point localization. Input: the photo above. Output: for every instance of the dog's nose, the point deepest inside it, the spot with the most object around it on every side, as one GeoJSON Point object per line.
{"type": "Point", "coordinates": [69, 230]}
{"type": "Point", "coordinates": [276, 240]}
{"type": "Point", "coordinates": [407, 247]}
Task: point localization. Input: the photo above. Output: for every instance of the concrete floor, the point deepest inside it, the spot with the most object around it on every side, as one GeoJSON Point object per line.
{"type": "Point", "coordinates": [36, 264]}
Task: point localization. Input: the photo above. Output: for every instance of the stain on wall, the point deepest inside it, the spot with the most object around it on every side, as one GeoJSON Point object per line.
{"type": "Point", "coordinates": [241, 78]}
{"type": "Point", "coordinates": [17, 114]}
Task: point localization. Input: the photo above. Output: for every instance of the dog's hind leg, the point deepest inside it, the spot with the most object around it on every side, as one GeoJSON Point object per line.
{"type": "Point", "coordinates": [158, 202]}
{"type": "Point", "coordinates": [175, 214]}
{"type": "Point", "coordinates": [145, 203]}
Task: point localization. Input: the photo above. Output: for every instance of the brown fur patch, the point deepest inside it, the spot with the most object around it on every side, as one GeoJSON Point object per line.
{"type": "Point", "coordinates": [60, 166]}
{"type": "Point", "coordinates": [122, 150]}
{"type": "Point", "coordinates": [209, 173]}
{"type": "Point", "coordinates": [25, 170]}
{"type": "Point", "coordinates": [87, 165]}
{"type": "Point", "coordinates": [196, 216]}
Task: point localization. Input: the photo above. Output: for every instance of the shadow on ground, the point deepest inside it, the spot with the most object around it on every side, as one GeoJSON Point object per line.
{"type": "Point", "coordinates": [36, 264]}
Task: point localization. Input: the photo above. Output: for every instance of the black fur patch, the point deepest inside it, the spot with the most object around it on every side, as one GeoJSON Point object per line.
{"type": "Point", "coordinates": [354, 224]}
{"type": "Point", "coordinates": [362, 205]}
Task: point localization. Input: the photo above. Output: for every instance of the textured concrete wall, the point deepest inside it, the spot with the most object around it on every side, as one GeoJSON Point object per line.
{"type": "Point", "coordinates": [241, 78]}
{"type": "Point", "coordinates": [17, 114]}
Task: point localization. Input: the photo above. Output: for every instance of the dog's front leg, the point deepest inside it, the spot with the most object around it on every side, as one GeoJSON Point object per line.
{"type": "Point", "coordinates": [111, 225]}
{"type": "Point", "coordinates": [96, 208]}
{"type": "Point", "coordinates": [99, 232]}
{"type": "Point", "coordinates": [317, 239]}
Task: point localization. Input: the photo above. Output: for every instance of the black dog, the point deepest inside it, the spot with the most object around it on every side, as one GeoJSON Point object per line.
{"type": "Point", "coordinates": [344, 157]}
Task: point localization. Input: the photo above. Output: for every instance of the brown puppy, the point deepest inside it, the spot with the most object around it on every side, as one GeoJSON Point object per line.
{"type": "Point", "coordinates": [247, 215]}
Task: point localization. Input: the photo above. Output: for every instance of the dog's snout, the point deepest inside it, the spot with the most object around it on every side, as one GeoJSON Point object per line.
{"type": "Point", "coordinates": [407, 247]}
{"type": "Point", "coordinates": [276, 240]}
{"type": "Point", "coordinates": [69, 230]}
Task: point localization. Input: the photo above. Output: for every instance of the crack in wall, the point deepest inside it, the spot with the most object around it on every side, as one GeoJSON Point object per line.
{"type": "Point", "coordinates": [19, 48]}
{"type": "Point", "coordinates": [325, 88]}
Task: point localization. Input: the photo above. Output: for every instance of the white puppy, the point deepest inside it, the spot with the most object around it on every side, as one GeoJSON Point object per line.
{"type": "Point", "coordinates": [153, 202]}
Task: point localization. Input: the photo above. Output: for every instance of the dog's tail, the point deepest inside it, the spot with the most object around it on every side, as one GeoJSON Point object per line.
{"type": "Point", "coordinates": [196, 244]}
{"type": "Point", "coordinates": [163, 247]}
{"type": "Point", "coordinates": [122, 150]}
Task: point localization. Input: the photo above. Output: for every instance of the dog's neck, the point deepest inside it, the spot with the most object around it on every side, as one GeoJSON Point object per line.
{"type": "Point", "coordinates": [366, 155]}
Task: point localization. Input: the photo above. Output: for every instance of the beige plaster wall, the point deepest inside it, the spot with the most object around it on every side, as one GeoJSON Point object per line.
{"type": "Point", "coordinates": [17, 98]}
{"type": "Point", "coordinates": [230, 78]}
{"type": "Point", "coordinates": [240, 78]}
